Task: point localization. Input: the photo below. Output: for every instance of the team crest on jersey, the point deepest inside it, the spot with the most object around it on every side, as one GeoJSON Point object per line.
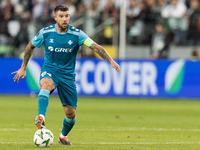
{"type": "Point", "coordinates": [70, 42]}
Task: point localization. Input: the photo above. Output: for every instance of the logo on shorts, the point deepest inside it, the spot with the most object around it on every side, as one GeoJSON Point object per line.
{"type": "Point", "coordinates": [44, 73]}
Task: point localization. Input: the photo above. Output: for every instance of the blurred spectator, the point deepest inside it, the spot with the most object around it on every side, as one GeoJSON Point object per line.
{"type": "Point", "coordinates": [133, 24]}
{"type": "Point", "coordinates": [148, 17]}
{"type": "Point", "coordinates": [72, 9]}
{"type": "Point", "coordinates": [6, 8]}
{"type": "Point", "coordinates": [80, 14]}
{"type": "Point", "coordinates": [174, 13]}
{"type": "Point", "coordinates": [193, 15]}
{"type": "Point", "coordinates": [174, 9]}
{"type": "Point", "coordinates": [110, 15]}
{"type": "Point", "coordinates": [87, 3]}
{"type": "Point", "coordinates": [47, 11]}
{"type": "Point", "coordinates": [133, 9]}
{"type": "Point", "coordinates": [195, 53]}
{"type": "Point", "coordinates": [80, 11]}
{"type": "Point", "coordinates": [160, 42]}
{"type": "Point", "coordinates": [92, 19]}
{"type": "Point", "coordinates": [37, 8]}
{"type": "Point", "coordinates": [187, 3]}
{"type": "Point", "coordinates": [7, 45]}
{"type": "Point", "coordinates": [21, 19]}
{"type": "Point", "coordinates": [160, 6]}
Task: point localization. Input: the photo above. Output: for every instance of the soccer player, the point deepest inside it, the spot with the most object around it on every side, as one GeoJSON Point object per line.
{"type": "Point", "coordinates": [61, 41]}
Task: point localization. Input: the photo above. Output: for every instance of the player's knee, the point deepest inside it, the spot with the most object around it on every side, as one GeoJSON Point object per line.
{"type": "Point", "coordinates": [47, 84]}
{"type": "Point", "coordinates": [71, 115]}
{"type": "Point", "coordinates": [70, 112]}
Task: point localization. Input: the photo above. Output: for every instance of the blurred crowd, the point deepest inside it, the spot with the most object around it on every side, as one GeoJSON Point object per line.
{"type": "Point", "coordinates": [157, 23]}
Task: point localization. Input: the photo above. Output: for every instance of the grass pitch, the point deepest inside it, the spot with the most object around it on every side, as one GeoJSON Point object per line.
{"type": "Point", "coordinates": [105, 124]}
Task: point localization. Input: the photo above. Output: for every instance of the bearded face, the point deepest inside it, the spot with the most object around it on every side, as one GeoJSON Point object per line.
{"type": "Point", "coordinates": [62, 19]}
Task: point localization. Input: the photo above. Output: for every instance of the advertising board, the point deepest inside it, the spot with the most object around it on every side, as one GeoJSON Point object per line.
{"type": "Point", "coordinates": [95, 77]}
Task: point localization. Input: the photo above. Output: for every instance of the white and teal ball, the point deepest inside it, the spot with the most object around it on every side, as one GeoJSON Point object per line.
{"type": "Point", "coordinates": [43, 138]}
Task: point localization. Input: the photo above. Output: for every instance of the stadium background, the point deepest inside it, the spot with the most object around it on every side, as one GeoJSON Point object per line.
{"type": "Point", "coordinates": [151, 104]}
{"type": "Point", "coordinates": [127, 29]}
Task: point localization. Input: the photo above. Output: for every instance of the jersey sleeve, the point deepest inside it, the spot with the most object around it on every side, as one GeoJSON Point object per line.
{"type": "Point", "coordinates": [84, 39]}
{"type": "Point", "coordinates": [38, 39]}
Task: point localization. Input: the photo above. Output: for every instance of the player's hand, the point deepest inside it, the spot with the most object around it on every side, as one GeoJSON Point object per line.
{"type": "Point", "coordinates": [20, 74]}
{"type": "Point", "coordinates": [115, 65]}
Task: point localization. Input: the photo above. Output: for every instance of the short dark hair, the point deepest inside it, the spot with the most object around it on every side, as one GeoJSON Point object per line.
{"type": "Point", "coordinates": [61, 8]}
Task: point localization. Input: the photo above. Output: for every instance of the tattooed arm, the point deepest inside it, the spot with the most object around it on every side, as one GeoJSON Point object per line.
{"type": "Point", "coordinates": [21, 73]}
{"type": "Point", "coordinates": [103, 53]}
{"type": "Point", "coordinates": [27, 54]}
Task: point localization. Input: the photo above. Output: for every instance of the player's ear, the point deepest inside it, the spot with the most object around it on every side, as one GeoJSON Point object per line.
{"type": "Point", "coordinates": [55, 18]}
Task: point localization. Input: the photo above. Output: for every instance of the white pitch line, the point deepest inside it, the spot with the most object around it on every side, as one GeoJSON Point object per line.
{"type": "Point", "coordinates": [13, 129]}
{"type": "Point", "coordinates": [15, 142]}
{"type": "Point", "coordinates": [141, 129]}
{"type": "Point", "coordinates": [116, 143]}
{"type": "Point", "coordinates": [116, 129]}
{"type": "Point", "coordinates": [139, 143]}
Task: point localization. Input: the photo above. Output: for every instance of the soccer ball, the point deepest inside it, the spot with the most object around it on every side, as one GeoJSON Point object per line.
{"type": "Point", "coordinates": [43, 138]}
